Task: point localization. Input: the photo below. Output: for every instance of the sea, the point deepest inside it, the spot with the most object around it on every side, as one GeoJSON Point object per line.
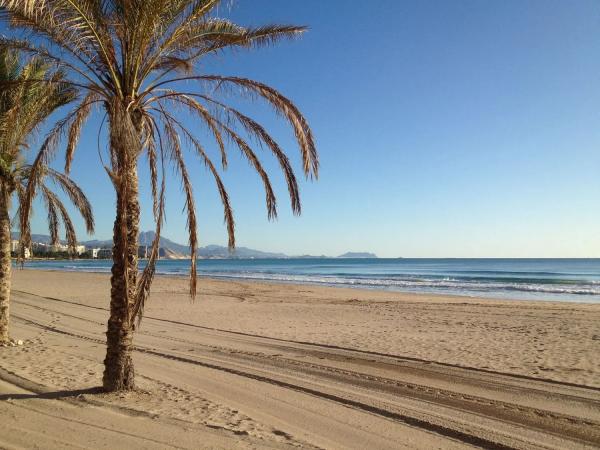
{"type": "Point", "coordinates": [571, 280]}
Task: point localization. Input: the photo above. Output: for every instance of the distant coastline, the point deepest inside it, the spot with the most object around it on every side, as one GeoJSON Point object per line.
{"type": "Point", "coordinates": [173, 250]}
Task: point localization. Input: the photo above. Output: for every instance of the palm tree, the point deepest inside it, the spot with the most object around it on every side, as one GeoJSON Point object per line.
{"type": "Point", "coordinates": [139, 60]}
{"type": "Point", "coordinates": [24, 107]}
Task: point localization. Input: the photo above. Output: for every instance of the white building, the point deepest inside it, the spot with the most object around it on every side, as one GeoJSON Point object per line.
{"type": "Point", "coordinates": [59, 247]}
{"type": "Point", "coordinates": [41, 247]}
{"type": "Point", "coordinates": [14, 247]}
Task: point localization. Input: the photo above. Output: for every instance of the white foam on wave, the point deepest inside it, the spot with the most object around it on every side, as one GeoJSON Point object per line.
{"type": "Point", "coordinates": [442, 284]}
{"type": "Point", "coordinates": [539, 289]}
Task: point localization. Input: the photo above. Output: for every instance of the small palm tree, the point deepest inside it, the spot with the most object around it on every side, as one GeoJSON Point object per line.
{"type": "Point", "coordinates": [139, 60]}
{"type": "Point", "coordinates": [24, 107]}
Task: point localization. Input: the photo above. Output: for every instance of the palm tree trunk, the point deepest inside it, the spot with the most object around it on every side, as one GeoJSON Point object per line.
{"type": "Point", "coordinates": [5, 263]}
{"type": "Point", "coordinates": [118, 365]}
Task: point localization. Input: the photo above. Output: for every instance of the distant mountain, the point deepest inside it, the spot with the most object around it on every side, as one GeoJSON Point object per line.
{"type": "Point", "coordinates": [146, 238]}
{"type": "Point", "coordinates": [173, 250]}
{"type": "Point", "coordinates": [209, 251]}
{"type": "Point", "coordinates": [169, 249]}
{"type": "Point", "coordinates": [218, 251]}
{"type": "Point", "coordinates": [96, 243]}
{"type": "Point", "coordinates": [42, 238]}
{"type": "Point", "coordinates": [358, 255]}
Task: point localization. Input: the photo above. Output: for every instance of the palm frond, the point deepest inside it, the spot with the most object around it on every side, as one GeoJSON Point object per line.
{"type": "Point", "coordinates": [76, 196]}
{"type": "Point", "coordinates": [204, 115]}
{"type": "Point", "coordinates": [70, 235]}
{"type": "Point", "coordinates": [255, 129]}
{"type": "Point", "coordinates": [249, 154]}
{"type": "Point", "coordinates": [79, 117]}
{"type": "Point", "coordinates": [26, 101]}
{"type": "Point", "coordinates": [123, 56]}
{"type": "Point", "coordinates": [280, 104]}
{"type": "Point", "coordinates": [177, 157]}
{"type": "Point", "coordinates": [145, 281]}
{"type": "Point", "coordinates": [217, 34]}
{"type": "Point", "coordinates": [53, 221]}
{"type": "Point", "coordinates": [58, 22]}
{"type": "Point", "coordinates": [227, 209]}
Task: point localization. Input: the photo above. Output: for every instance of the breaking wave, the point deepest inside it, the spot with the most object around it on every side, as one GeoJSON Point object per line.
{"type": "Point", "coordinates": [551, 279]}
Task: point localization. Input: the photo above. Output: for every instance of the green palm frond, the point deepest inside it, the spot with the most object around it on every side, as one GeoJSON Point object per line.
{"type": "Point", "coordinates": [29, 94]}
{"type": "Point", "coordinates": [132, 58]}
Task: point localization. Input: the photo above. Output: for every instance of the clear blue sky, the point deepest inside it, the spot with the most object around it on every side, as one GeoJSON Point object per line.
{"type": "Point", "coordinates": [459, 128]}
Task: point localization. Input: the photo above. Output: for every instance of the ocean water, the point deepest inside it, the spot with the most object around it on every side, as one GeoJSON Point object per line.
{"type": "Point", "coordinates": [525, 279]}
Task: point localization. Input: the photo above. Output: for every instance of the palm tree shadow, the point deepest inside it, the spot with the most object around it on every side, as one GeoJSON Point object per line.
{"type": "Point", "coordinates": [54, 395]}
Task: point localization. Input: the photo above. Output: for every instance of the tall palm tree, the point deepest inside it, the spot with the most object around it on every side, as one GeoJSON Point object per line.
{"type": "Point", "coordinates": [139, 60]}
{"type": "Point", "coordinates": [24, 106]}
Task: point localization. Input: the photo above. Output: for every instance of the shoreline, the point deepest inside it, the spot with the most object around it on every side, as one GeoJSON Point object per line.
{"type": "Point", "coordinates": [556, 340]}
{"type": "Point", "coordinates": [357, 288]}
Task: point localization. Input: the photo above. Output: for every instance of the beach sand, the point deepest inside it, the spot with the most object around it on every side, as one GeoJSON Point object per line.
{"type": "Point", "coordinates": [257, 365]}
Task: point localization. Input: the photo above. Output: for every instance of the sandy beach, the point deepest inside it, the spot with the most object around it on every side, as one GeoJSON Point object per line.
{"type": "Point", "coordinates": [257, 365]}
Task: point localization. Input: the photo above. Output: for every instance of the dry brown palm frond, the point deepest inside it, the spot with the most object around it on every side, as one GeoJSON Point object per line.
{"type": "Point", "coordinates": [172, 63]}
{"type": "Point", "coordinates": [250, 38]}
{"type": "Point", "coordinates": [254, 128]}
{"type": "Point", "coordinates": [187, 99]}
{"type": "Point", "coordinates": [258, 131]}
{"type": "Point", "coordinates": [145, 281]}
{"type": "Point", "coordinates": [212, 125]}
{"type": "Point", "coordinates": [285, 107]}
{"type": "Point", "coordinates": [212, 35]}
{"type": "Point", "coordinates": [227, 209]}
{"type": "Point", "coordinates": [176, 156]}
{"type": "Point", "coordinates": [247, 151]}
{"type": "Point", "coordinates": [280, 104]}
{"type": "Point", "coordinates": [152, 165]}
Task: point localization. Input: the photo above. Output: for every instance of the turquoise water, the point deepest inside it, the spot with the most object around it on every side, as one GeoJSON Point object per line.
{"type": "Point", "coordinates": [526, 279]}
